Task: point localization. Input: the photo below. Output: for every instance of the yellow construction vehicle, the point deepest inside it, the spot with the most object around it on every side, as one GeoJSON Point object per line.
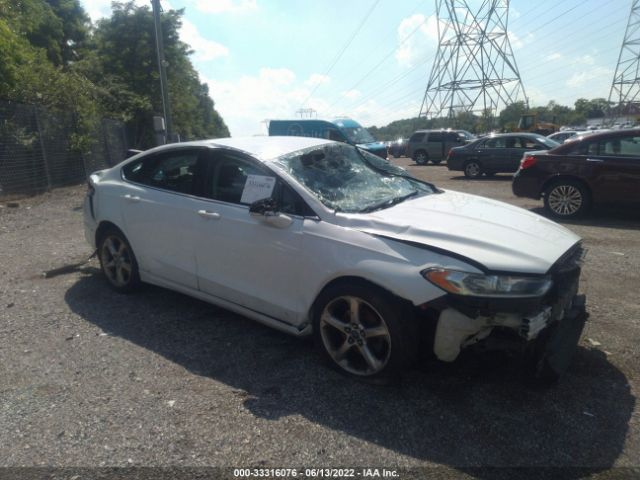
{"type": "Point", "coordinates": [529, 123]}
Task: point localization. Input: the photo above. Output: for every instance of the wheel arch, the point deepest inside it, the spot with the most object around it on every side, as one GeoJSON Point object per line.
{"type": "Point", "coordinates": [347, 280]}
{"type": "Point", "coordinates": [103, 227]}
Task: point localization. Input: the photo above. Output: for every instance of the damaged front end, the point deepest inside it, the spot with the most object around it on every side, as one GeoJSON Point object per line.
{"type": "Point", "coordinates": [544, 313]}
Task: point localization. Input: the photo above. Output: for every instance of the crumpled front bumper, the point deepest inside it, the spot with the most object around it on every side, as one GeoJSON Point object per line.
{"type": "Point", "coordinates": [464, 321]}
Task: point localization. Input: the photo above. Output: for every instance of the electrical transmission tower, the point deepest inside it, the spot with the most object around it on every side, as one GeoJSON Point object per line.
{"type": "Point", "coordinates": [625, 88]}
{"type": "Point", "coordinates": [474, 69]}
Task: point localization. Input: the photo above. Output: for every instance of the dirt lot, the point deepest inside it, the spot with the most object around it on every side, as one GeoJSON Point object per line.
{"type": "Point", "coordinates": [91, 378]}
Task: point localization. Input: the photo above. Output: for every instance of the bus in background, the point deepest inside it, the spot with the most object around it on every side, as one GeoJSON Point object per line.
{"type": "Point", "coordinates": [341, 130]}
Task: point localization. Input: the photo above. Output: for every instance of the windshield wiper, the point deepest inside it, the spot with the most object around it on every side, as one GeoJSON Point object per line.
{"type": "Point", "coordinates": [388, 203]}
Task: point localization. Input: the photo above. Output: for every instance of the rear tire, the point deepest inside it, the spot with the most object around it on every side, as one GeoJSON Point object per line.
{"type": "Point", "coordinates": [421, 157]}
{"type": "Point", "coordinates": [118, 262]}
{"type": "Point", "coordinates": [472, 169]}
{"type": "Point", "coordinates": [566, 199]}
{"type": "Point", "coordinates": [364, 332]}
{"type": "Point", "coordinates": [436, 161]}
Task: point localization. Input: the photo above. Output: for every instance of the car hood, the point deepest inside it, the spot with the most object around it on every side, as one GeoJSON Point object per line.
{"type": "Point", "coordinates": [494, 234]}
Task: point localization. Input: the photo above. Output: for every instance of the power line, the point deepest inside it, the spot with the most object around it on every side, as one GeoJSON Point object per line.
{"type": "Point", "coordinates": [383, 59]}
{"type": "Point", "coordinates": [344, 49]}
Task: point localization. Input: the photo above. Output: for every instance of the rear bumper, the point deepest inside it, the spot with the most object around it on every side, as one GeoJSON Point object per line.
{"type": "Point", "coordinates": [524, 185]}
{"type": "Point", "coordinates": [90, 224]}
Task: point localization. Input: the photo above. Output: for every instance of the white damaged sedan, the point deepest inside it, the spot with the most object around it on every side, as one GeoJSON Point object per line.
{"type": "Point", "coordinates": [316, 237]}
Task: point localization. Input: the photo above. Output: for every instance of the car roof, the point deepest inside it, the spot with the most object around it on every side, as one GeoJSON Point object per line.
{"type": "Point", "coordinates": [514, 134]}
{"type": "Point", "coordinates": [597, 136]}
{"type": "Point", "coordinates": [261, 147]}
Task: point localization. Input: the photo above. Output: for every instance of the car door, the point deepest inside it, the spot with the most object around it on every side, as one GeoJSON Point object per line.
{"type": "Point", "coordinates": [494, 155]}
{"type": "Point", "coordinates": [241, 258]}
{"type": "Point", "coordinates": [451, 140]}
{"type": "Point", "coordinates": [157, 208]}
{"type": "Point", "coordinates": [435, 145]}
{"type": "Point", "coordinates": [615, 169]}
{"type": "Point", "coordinates": [520, 146]}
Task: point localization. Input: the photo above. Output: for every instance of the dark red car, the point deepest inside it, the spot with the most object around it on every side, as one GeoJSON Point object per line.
{"type": "Point", "coordinates": [598, 169]}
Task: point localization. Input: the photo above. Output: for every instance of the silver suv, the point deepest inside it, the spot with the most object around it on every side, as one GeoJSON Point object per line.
{"type": "Point", "coordinates": [433, 145]}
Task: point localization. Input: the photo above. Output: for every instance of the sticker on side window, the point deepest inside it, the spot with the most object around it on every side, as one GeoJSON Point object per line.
{"type": "Point", "coordinates": [257, 187]}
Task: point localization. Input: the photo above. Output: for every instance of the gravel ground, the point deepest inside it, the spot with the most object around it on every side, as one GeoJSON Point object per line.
{"type": "Point", "coordinates": [91, 378]}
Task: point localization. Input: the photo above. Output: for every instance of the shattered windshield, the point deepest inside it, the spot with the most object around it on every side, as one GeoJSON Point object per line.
{"type": "Point", "coordinates": [346, 180]}
{"type": "Point", "coordinates": [357, 135]}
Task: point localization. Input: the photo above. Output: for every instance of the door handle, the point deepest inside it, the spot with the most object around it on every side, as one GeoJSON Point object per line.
{"type": "Point", "coordinates": [596, 160]}
{"type": "Point", "coordinates": [132, 198]}
{"type": "Point", "coordinates": [207, 214]}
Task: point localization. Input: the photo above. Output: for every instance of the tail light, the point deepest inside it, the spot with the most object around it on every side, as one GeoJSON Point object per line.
{"type": "Point", "coordinates": [527, 162]}
{"type": "Point", "coordinates": [450, 154]}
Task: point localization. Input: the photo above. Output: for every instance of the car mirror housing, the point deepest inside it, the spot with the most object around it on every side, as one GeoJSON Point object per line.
{"type": "Point", "coordinates": [264, 207]}
{"type": "Point", "coordinates": [267, 211]}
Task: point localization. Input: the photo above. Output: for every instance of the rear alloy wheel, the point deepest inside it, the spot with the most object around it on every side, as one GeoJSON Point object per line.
{"type": "Point", "coordinates": [363, 332]}
{"type": "Point", "coordinates": [472, 169]}
{"type": "Point", "coordinates": [118, 262]}
{"type": "Point", "coordinates": [566, 199]}
{"type": "Point", "coordinates": [421, 157]}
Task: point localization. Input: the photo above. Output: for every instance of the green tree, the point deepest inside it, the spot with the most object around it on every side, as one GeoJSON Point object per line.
{"type": "Point", "coordinates": [124, 67]}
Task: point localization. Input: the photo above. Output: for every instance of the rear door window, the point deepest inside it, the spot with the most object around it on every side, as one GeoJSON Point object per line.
{"type": "Point", "coordinates": [173, 171]}
{"type": "Point", "coordinates": [499, 142]}
{"type": "Point", "coordinates": [435, 137]}
{"type": "Point", "coordinates": [620, 147]}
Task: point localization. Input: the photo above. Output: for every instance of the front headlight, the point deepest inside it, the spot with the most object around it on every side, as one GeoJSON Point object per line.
{"type": "Point", "coordinates": [478, 285]}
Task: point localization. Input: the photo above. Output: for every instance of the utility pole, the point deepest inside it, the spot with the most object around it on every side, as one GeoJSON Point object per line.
{"type": "Point", "coordinates": [626, 81]}
{"type": "Point", "coordinates": [307, 111]}
{"type": "Point", "coordinates": [474, 70]}
{"type": "Point", "coordinates": [162, 66]}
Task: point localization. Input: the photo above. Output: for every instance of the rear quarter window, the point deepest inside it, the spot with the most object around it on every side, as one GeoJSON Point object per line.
{"type": "Point", "coordinates": [417, 137]}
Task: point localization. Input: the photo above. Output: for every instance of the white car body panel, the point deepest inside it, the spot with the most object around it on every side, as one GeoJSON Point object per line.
{"type": "Point", "coordinates": [497, 235]}
{"type": "Point", "coordinates": [274, 275]}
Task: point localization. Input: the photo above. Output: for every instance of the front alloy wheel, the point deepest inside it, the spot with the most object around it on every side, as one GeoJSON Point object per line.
{"type": "Point", "coordinates": [472, 169]}
{"type": "Point", "coordinates": [364, 331]}
{"type": "Point", "coordinates": [421, 157]}
{"type": "Point", "coordinates": [355, 336]}
{"type": "Point", "coordinates": [566, 199]}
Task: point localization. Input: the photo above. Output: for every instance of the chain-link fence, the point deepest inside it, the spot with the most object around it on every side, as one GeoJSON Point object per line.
{"type": "Point", "coordinates": [38, 149]}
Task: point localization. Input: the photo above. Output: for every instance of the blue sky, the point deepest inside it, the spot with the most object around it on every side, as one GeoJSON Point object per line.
{"type": "Point", "coordinates": [265, 59]}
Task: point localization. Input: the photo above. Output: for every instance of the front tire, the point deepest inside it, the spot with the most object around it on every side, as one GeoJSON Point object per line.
{"type": "Point", "coordinates": [118, 262]}
{"type": "Point", "coordinates": [472, 169]}
{"type": "Point", "coordinates": [421, 157]}
{"type": "Point", "coordinates": [566, 199]}
{"type": "Point", "coordinates": [363, 331]}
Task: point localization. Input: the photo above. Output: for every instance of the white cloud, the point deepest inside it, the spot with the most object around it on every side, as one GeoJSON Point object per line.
{"type": "Point", "coordinates": [586, 59]}
{"type": "Point", "coordinates": [226, 6]}
{"type": "Point", "coordinates": [204, 49]}
{"type": "Point", "coordinates": [352, 94]}
{"type": "Point", "coordinates": [97, 9]}
{"type": "Point", "coordinates": [421, 43]}
{"type": "Point", "coordinates": [579, 79]}
{"type": "Point", "coordinates": [554, 56]}
{"type": "Point", "coordinates": [317, 79]}
{"type": "Point", "coordinates": [273, 93]}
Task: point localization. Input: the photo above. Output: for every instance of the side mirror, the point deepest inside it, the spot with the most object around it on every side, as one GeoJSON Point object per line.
{"type": "Point", "coordinates": [263, 207]}
{"type": "Point", "coordinates": [267, 211]}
